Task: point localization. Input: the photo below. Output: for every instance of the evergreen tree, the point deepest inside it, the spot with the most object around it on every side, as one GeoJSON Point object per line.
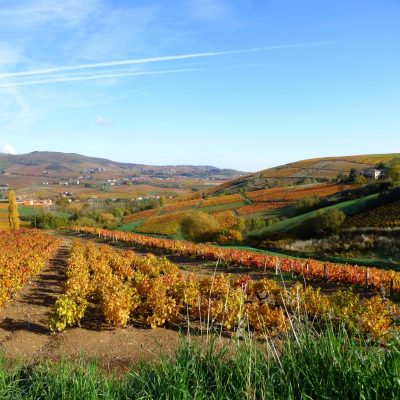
{"type": "Point", "coordinates": [13, 216]}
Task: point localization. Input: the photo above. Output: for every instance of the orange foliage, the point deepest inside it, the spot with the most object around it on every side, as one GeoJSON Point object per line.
{"type": "Point", "coordinates": [348, 274]}
{"type": "Point", "coordinates": [256, 208]}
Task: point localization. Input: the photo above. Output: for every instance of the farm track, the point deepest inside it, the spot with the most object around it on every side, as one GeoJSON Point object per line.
{"type": "Point", "coordinates": [23, 326]}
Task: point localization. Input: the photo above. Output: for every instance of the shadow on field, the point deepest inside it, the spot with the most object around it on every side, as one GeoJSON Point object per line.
{"type": "Point", "coordinates": [13, 325]}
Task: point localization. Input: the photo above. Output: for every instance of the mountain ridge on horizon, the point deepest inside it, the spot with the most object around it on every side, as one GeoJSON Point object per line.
{"type": "Point", "coordinates": [60, 163]}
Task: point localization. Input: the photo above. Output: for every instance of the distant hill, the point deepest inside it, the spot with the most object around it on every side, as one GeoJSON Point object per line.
{"type": "Point", "coordinates": [319, 169]}
{"type": "Point", "coordinates": [65, 165]}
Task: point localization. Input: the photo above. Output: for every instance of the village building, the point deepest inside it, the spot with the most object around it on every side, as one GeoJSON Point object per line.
{"type": "Point", "coordinates": [373, 173]}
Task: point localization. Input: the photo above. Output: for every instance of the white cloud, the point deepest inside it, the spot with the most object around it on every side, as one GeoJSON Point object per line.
{"type": "Point", "coordinates": [9, 54]}
{"type": "Point", "coordinates": [6, 148]}
{"type": "Point", "coordinates": [102, 121]}
{"type": "Point", "coordinates": [210, 10]}
{"type": "Point", "coordinates": [39, 12]}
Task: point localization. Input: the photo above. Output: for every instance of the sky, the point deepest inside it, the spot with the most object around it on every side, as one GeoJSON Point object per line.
{"type": "Point", "coordinates": [245, 84]}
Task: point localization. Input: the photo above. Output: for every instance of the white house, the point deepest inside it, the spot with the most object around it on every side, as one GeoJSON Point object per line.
{"type": "Point", "coordinates": [373, 173]}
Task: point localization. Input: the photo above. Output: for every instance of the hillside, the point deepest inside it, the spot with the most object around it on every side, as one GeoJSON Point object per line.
{"type": "Point", "coordinates": [65, 165]}
{"type": "Point", "coordinates": [320, 169]}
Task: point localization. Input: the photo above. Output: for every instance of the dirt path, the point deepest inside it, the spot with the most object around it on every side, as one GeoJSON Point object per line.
{"type": "Point", "coordinates": [24, 333]}
{"type": "Point", "coordinates": [23, 327]}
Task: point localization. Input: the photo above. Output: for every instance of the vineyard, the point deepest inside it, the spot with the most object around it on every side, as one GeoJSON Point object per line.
{"type": "Point", "coordinates": [23, 254]}
{"type": "Point", "coordinates": [384, 216]}
{"type": "Point", "coordinates": [221, 200]}
{"type": "Point", "coordinates": [140, 215]}
{"type": "Point", "coordinates": [309, 269]}
{"type": "Point", "coordinates": [181, 205]}
{"type": "Point", "coordinates": [260, 207]}
{"type": "Point", "coordinates": [226, 219]}
{"type": "Point", "coordinates": [152, 291]}
{"type": "Point", "coordinates": [4, 225]}
{"type": "Point", "coordinates": [291, 195]}
{"type": "Point", "coordinates": [164, 221]}
{"type": "Point", "coordinates": [167, 224]}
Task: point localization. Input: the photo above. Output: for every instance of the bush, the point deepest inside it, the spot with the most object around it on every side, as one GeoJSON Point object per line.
{"type": "Point", "coordinates": [308, 202]}
{"type": "Point", "coordinates": [360, 180]}
{"type": "Point", "coordinates": [255, 223]}
{"type": "Point", "coordinates": [229, 236]}
{"type": "Point", "coordinates": [200, 227]}
{"type": "Point", "coordinates": [48, 220]}
{"type": "Point", "coordinates": [325, 222]}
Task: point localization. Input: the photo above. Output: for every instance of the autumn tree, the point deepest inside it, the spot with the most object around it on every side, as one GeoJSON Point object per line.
{"type": "Point", "coordinates": [394, 172]}
{"type": "Point", "coordinates": [13, 216]}
{"type": "Point", "coordinates": [200, 227]}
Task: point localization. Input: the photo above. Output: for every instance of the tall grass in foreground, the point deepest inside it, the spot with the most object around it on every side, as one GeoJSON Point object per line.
{"type": "Point", "coordinates": [311, 365]}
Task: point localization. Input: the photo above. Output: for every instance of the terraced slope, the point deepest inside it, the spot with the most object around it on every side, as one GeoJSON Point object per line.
{"type": "Point", "coordinates": [322, 169]}
{"type": "Point", "coordinates": [226, 208]}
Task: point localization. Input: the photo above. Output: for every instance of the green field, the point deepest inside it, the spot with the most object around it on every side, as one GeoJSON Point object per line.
{"type": "Point", "coordinates": [28, 212]}
{"type": "Point", "coordinates": [348, 207]}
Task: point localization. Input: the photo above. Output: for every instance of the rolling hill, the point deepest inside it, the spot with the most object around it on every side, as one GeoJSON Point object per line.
{"type": "Point", "coordinates": [65, 165]}
{"type": "Point", "coordinates": [319, 169]}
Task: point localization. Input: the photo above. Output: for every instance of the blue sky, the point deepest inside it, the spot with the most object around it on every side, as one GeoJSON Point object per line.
{"type": "Point", "coordinates": [261, 83]}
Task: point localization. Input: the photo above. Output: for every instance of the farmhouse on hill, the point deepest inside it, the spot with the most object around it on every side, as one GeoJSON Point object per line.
{"type": "Point", "coordinates": [373, 173]}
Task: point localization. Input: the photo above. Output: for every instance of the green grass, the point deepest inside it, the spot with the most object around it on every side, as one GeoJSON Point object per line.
{"type": "Point", "coordinates": [27, 212]}
{"type": "Point", "coordinates": [348, 207]}
{"type": "Point", "coordinates": [222, 207]}
{"type": "Point", "coordinates": [329, 365]}
{"type": "Point", "coordinates": [130, 227]}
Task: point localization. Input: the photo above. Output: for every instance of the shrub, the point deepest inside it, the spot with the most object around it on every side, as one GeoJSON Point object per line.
{"type": "Point", "coordinates": [200, 227]}
{"type": "Point", "coordinates": [228, 236]}
{"type": "Point", "coordinates": [46, 220]}
{"type": "Point", "coordinates": [325, 222]}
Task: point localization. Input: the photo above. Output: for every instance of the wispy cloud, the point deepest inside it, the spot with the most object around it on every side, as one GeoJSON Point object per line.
{"type": "Point", "coordinates": [210, 10]}
{"type": "Point", "coordinates": [20, 114]}
{"type": "Point", "coordinates": [33, 13]}
{"type": "Point", "coordinates": [94, 77]}
{"type": "Point", "coordinates": [108, 64]}
{"type": "Point", "coordinates": [103, 121]}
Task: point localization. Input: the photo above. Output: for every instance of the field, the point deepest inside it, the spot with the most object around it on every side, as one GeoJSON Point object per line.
{"type": "Point", "coordinates": [348, 207]}
{"type": "Point", "coordinates": [262, 203]}
{"type": "Point", "coordinates": [347, 274]}
{"type": "Point", "coordinates": [321, 169]}
{"type": "Point", "coordinates": [121, 310]}
{"type": "Point", "coordinates": [261, 207]}
{"type": "Point", "coordinates": [81, 192]}
{"type": "Point", "coordinates": [226, 219]}
{"type": "Point", "coordinates": [167, 224]}
{"type": "Point", "coordinates": [384, 216]}
{"type": "Point", "coordinates": [23, 255]}
{"type": "Point", "coordinates": [24, 211]}
{"type": "Point", "coordinates": [4, 216]}
{"type": "Point", "coordinates": [289, 195]}
{"type": "Point", "coordinates": [148, 309]}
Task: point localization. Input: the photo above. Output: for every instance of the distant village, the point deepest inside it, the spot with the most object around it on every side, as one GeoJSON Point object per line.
{"type": "Point", "coordinates": [87, 175]}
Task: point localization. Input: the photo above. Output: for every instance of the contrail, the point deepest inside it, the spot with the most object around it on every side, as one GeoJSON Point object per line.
{"type": "Point", "coordinates": [157, 59]}
{"type": "Point", "coordinates": [91, 77]}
